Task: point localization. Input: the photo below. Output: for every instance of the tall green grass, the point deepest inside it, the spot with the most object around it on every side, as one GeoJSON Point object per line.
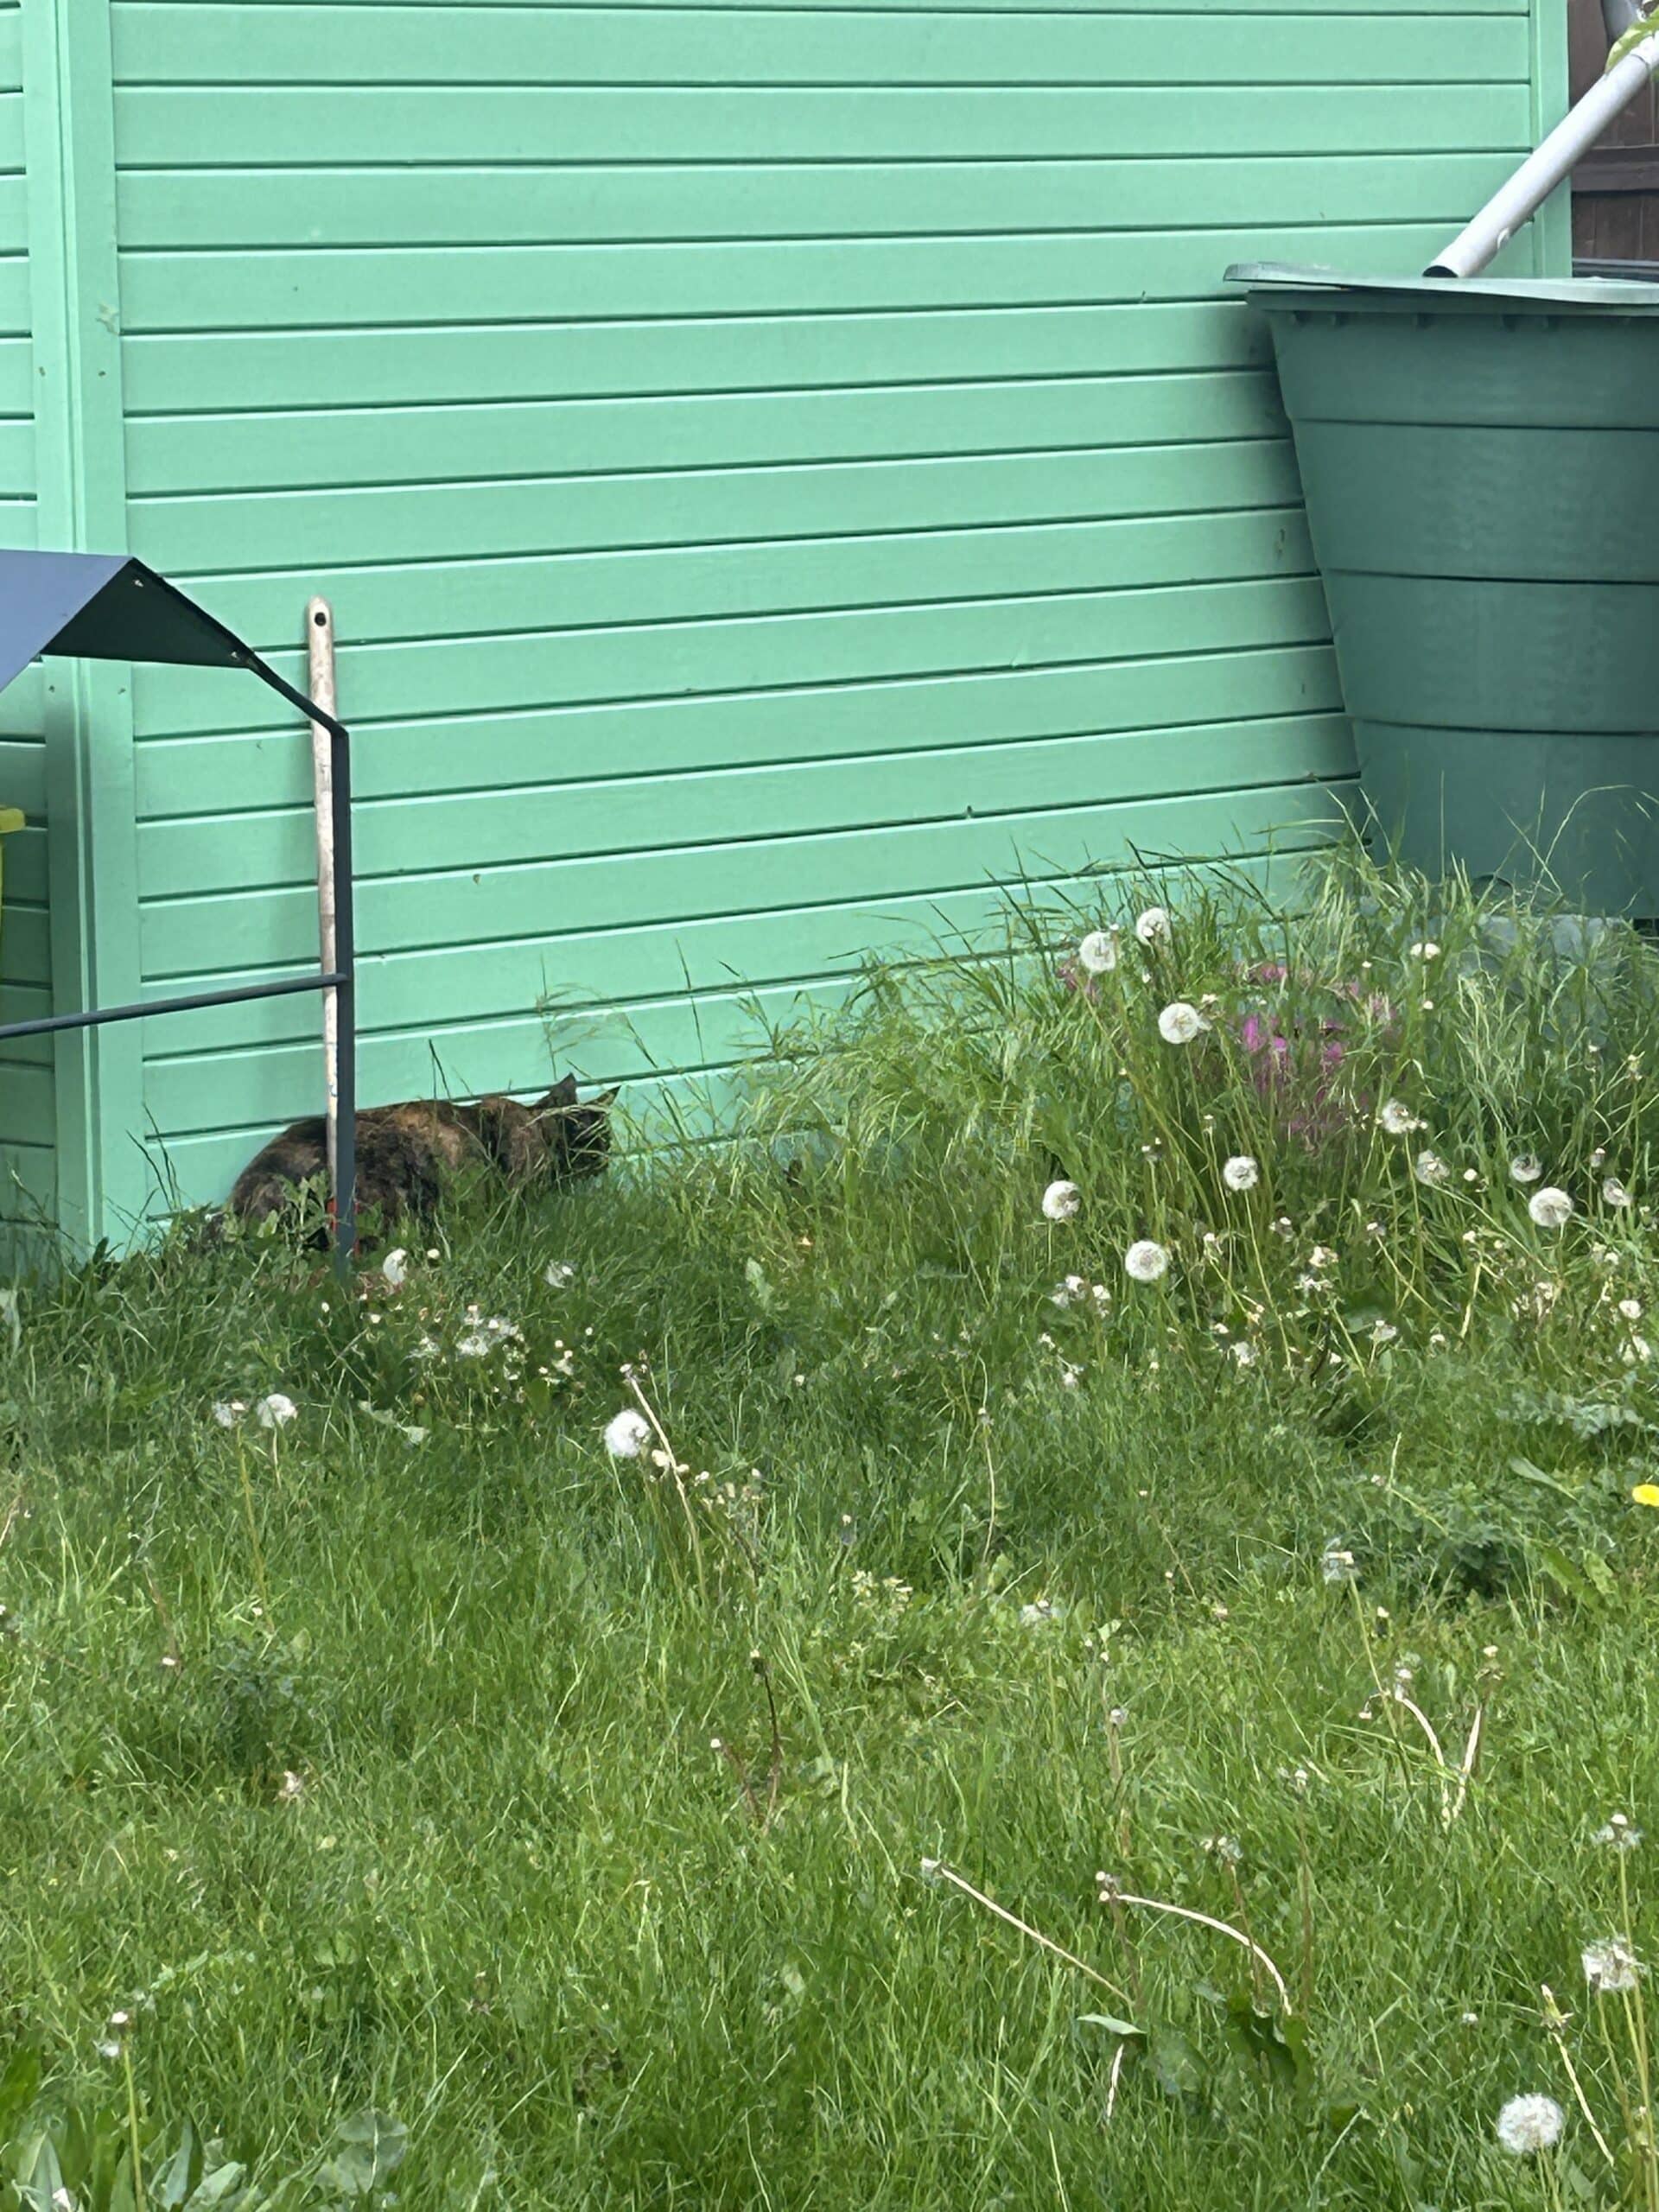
{"type": "Point", "coordinates": [630, 1828]}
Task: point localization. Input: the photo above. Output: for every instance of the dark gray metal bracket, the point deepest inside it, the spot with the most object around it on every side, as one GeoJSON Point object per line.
{"type": "Point", "coordinates": [108, 606]}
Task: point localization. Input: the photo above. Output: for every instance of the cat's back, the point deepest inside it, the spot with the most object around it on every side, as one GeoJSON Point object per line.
{"type": "Point", "coordinates": [269, 1181]}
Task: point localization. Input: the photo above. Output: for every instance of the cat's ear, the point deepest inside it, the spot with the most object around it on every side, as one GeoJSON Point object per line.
{"type": "Point", "coordinates": [562, 1095]}
{"type": "Point", "coordinates": [604, 1103]}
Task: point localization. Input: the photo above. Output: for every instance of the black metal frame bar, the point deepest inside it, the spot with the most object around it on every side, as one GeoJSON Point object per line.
{"type": "Point", "coordinates": [340, 979]}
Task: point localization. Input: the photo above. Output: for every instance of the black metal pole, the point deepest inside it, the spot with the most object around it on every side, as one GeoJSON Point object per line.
{"type": "Point", "coordinates": [344, 1195]}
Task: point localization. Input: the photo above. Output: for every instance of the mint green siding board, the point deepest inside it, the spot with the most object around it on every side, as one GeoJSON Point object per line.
{"type": "Point", "coordinates": [703, 507]}
{"type": "Point", "coordinates": [739, 653]}
{"type": "Point", "coordinates": [781, 472]}
{"type": "Point", "coordinates": [277, 369]}
{"type": "Point", "coordinates": [235, 47]}
{"type": "Point", "coordinates": [184, 777]}
{"type": "Point", "coordinates": [597, 203]}
{"type": "Point", "coordinates": [286, 127]}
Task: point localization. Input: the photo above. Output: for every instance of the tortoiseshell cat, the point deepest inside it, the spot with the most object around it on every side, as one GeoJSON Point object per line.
{"type": "Point", "coordinates": [406, 1153]}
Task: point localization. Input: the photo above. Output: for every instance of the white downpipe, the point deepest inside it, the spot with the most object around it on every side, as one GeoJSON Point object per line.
{"type": "Point", "coordinates": [1538, 175]}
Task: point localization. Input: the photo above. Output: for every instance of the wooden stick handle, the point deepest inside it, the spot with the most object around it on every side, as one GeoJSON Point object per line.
{"type": "Point", "coordinates": [320, 649]}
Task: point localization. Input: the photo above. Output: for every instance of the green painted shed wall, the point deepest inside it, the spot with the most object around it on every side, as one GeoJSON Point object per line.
{"type": "Point", "coordinates": [779, 471]}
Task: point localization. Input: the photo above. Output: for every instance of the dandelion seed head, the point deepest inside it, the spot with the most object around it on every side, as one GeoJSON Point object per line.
{"type": "Point", "coordinates": [227, 1412]}
{"type": "Point", "coordinates": [1426, 949]}
{"type": "Point", "coordinates": [1528, 2124]}
{"type": "Point", "coordinates": [1146, 1260]}
{"type": "Point", "coordinates": [559, 1274]}
{"type": "Point", "coordinates": [1550, 1208]}
{"type": "Point", "coordinates": [1180, 1023]}
{"type": "Point", "coordinates": [1041, 1613]}
{"type": "Point", "coordinates": [1614, 1193]}
{"type": "Point", "coordinates": [1152, 927]}
{"type": "Point", "coordinates": [626, 1433]}
{"type": "Point", "coordinates": [1097, 953]}
{"type": "Point", "coordinates": [275, 1411]}
{"type": "Point", "coordinates": [1610, 1964]}
{"type": "Point", "coordinates": [1617, 1834]}
{"type": "Point", "coordinates": [1337, 1565]}
{"type": "Point", "coordinates": [1428, 1167]}
{"type": "Point", "coordinates": [395, 1267]}
{"type": "Point", "coordinates": [1395, 1119]}
{"type": "Point", "coordinates": [1526, 1167]}
{"type": "Point", "coordinates": [1062, 1202]}
{"type": "Point", "coordinates": [1241, 1173]}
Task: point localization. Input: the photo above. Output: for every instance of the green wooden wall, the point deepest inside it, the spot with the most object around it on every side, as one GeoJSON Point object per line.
{"type": "Point", "coordinates": [778, 470]}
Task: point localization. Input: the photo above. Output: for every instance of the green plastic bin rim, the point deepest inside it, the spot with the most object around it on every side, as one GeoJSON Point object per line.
{"type": "Point", "coordinates": [1283, 284]}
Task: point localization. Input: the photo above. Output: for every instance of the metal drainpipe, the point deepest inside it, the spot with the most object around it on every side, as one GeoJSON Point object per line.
{"type": "Point", "coordinates": [1517, 201]}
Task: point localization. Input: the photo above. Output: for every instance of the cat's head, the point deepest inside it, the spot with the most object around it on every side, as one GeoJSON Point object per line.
{"type": "Point", "coordinates": [578, 1133]}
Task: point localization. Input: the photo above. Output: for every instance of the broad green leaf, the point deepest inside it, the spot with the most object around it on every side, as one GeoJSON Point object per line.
{"type": "Point", "coordinates": [217, 2187]}
{"type": "Point", "coordinates": [39, 2180]}
{"type": "Point", "coordinates": [370, 2147]}
{"type": "Point", "coordinates": [180, 2173]}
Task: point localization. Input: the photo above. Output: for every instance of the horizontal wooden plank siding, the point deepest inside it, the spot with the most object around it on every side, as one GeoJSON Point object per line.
{"type": "Point", "coordinates": [27, 1112]}
{"type": "Point", "coordinates": [782, 473]}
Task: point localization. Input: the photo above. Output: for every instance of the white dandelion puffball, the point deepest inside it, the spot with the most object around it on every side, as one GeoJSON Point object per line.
{"type": "Point", "coordinates": [1062, 1202]}
{"type": "Point", "coordinates": [1338, 1565]}
{"type": "Point", "coordinates": [1527, 1168]}
{"type": "Point", "coordinates": [559, 1275]}
{"type": "Point", "coordinates": [1550, 1208]}
{"type": "Point", "coordinates": [1395, 1119]}
{"type": "Point", "coordinates": [275, 1411]}
{"type": "Point", "coordinates": [395, 1267]}
{"type": "Point", "coordinates": [1097, 953]}
{"type": "Point", "coordinates": [1180, 1023]}
{"type": "Point", "coordinates": [626, 1433]}
{"type": "Point", "coordinates": [227, 1412]}
{"type": "Point", "coordinates": [1146, 1260]}
{"type": "Point", "coordinates": [1618, 1835]}
{"type": "Point", "coordinates": [1428, 1167]}
{"type": "Point", "coordinates": [1153, 926]}
{"type": "Point", "coordinates": [1610, 1964]}
{"type": "Point", "coordinates": [1527, 2124]}
{"type": "Point", "coordinates": [1241, 1173]}
{"type": "Point", "coordinates": [1614, 1193]}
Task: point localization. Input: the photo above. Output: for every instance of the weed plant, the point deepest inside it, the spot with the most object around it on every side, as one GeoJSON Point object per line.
{"type": "Point", "coordinates": [1065, 1621]}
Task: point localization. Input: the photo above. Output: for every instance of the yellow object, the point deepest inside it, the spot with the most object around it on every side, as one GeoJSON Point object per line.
{"type": "Point", "coordinates": [10, 819]}
{"type": "Point", "coordinates": [1646, 1494]}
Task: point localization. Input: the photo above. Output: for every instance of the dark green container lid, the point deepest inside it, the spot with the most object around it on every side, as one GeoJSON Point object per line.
{"type": "Point", "coordinates": [1480, 462]}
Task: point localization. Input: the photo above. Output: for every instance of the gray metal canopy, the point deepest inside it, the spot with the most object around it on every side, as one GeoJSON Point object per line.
{"type": "Point", "coordinates": [109, 607]}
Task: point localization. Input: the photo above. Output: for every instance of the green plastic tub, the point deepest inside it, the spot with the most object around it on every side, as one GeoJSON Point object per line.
{"type": "Point", "coordinates": [1480, 462]}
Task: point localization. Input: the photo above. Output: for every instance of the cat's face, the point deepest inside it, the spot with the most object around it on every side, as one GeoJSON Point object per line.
{"type": "Point", "coordinates": [579, 1136]}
